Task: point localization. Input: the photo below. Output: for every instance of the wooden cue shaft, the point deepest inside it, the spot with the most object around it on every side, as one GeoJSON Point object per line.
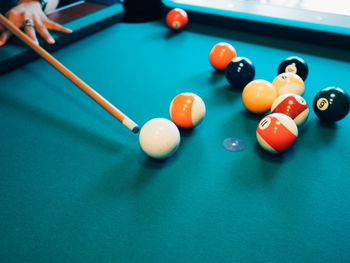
{"type": "Point", "coordinates": [125, 120]}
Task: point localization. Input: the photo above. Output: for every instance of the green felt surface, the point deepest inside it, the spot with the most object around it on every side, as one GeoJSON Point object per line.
{"type": "Point", "coordinates": [75, 186]}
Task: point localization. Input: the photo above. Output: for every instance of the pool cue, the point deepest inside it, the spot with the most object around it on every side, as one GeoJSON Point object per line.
{"type": "Point", "coordinates": [125, 120]}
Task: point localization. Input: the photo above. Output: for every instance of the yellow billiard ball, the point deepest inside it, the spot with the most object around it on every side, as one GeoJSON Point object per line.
{"type": "Point", "coordinates": [258, 96]}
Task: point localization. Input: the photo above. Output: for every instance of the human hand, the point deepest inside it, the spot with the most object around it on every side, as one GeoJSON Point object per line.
{"type": "Point", "coordinates": [28, 14]}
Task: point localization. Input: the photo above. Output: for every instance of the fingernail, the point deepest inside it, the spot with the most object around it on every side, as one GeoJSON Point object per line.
{"type": "Point", "coordinates": [51, 41]}
{"type": "Point", "coordinates": [1, 43]}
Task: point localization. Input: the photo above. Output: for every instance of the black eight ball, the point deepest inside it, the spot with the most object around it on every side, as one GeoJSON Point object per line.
{"type": "Point", "coordinates": [294, 65]}
{"type": "Point", "coordinates": [331, 104]}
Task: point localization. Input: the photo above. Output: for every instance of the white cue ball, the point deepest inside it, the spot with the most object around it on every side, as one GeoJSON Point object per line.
{"type": "Point", "coordinates": [159, 138]}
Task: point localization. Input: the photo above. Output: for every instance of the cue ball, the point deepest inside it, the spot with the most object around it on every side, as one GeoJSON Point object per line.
{"type": "Point", "coordinates": [331, 104]}
{"type": "Point", "coordinates": [221, 55]}
{"type": "Point", "coordinates": [177, 19]}
{"type": "Point", "coordinates": [293, 106]}
{"type": "Point", "coordinates": [187, 110]}
{"type": "Point", "coordinates": [258, 96]}
{"type": "Point", "coordinates": [159, 138]}
{"type": "Point", "coordinates": [294, 65]}
{"type": "Point", "coordinates": [239, 72]}
{"type": "Point", "coordinates": [276, 132]}
{"type": "Point", "coordinates": [289, 83]}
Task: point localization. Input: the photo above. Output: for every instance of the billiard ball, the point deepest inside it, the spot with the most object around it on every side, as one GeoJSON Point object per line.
{"type": "Point", "coordinates": [258, 96]}
{"type": "Point", "coordinates": [159, 138]}
{"type": "Point", "coordinates": [239, 72]}
{"type": "Point", "coordinates": [294, 65]}
{"type": "Point", "coordinates": [221, 54]}
{"type": "Point", "coordinates": [331, 104]}
{"type": "Point", "coordinates": [187, 110]}
{"type": "Point", "coordinates": [289, 83]}
{"type": "Point", "coordinates": [177, 19]}
{"type": "Point", "coordinates": [276, 132]}
{"type": "Point", "coordinates": [292, 105]}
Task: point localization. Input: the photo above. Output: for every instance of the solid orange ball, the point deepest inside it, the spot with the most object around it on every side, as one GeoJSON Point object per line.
{"type": "Point", "coordinates": [258, 96]}
{"type": "Point", "coordinates": [177, 19]}
{"type": "Point", "coordinates": [221, 55]}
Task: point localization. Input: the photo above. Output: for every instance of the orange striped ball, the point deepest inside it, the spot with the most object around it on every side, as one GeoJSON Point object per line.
{"type": "Point", "coordinates": [187, 110]}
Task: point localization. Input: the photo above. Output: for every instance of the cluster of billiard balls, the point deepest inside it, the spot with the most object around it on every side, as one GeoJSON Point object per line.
{"type": "Point", "coordinates": [282, 98]}
{"type": "Point", "coordinates": [277, 131]}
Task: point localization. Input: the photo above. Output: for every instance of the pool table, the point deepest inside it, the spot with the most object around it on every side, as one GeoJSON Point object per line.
{"type": "Point", "coordinates": [76, 187]}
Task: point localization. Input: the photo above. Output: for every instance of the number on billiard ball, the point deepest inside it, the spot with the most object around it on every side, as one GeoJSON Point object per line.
{"type": "Point", "coordinates": [289, 83]}
{"type": "Point", "coordinates": [294, 65]}
{"type": "Point", "coordinates": [177, 19]}
{"type": "Point", "coordinates": [276, 132]}
{"type": "Point", "coordinates": [331, 104]}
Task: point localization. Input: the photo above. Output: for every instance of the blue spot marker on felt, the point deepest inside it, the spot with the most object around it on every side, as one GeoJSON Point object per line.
{"type": "Point", "coordinates": [234, 144]}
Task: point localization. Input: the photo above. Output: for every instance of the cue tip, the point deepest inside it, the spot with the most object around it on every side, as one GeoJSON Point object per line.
{"type": "Point", "coordinates": [136, 129]}
{"type": "Point", "coordinates": [132, 126]}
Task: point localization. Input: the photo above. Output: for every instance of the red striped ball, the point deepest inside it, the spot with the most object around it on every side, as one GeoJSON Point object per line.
{"type": "Point", "coordinates": [292, 105]}
{"type": "Point", "coordinates": [177, 19]}
{"type": "Point", "coordinates": [276, 132]}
